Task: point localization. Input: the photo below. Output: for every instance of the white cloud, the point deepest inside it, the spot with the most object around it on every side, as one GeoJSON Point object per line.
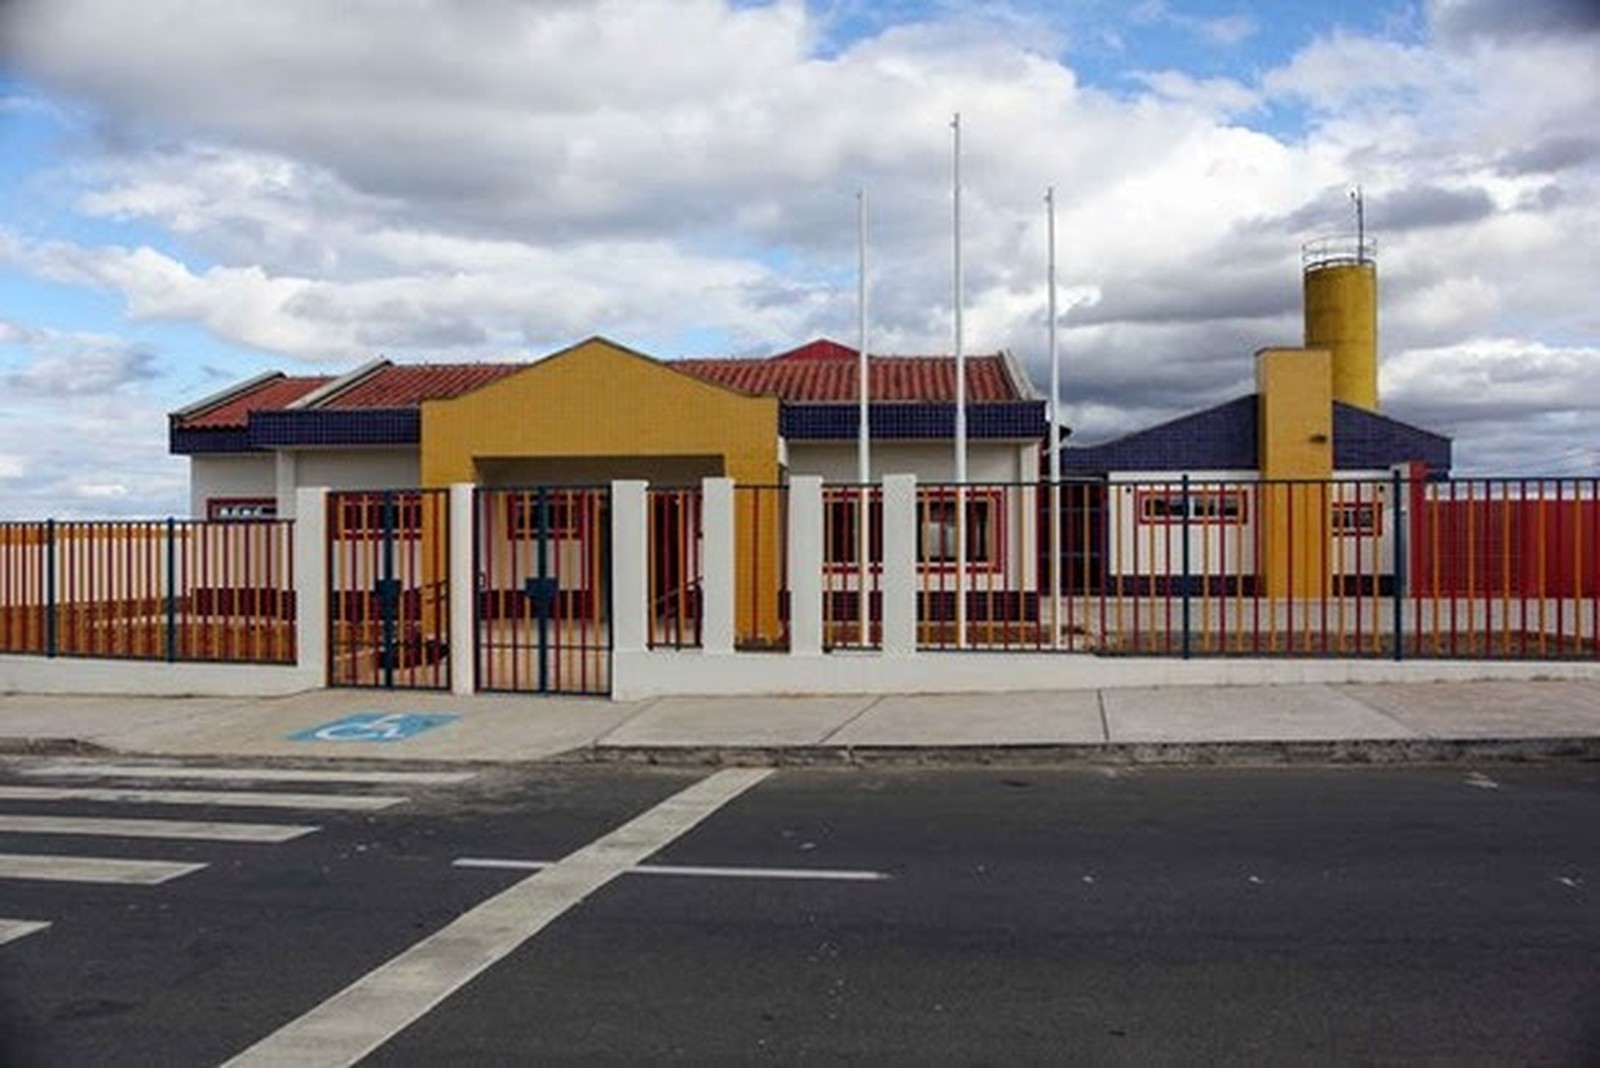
{"type": "Point", "coordinates": [443, 179]}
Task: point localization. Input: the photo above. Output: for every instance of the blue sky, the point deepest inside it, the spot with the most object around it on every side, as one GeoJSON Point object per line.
{"type": "Point", "coordinates": [306, 184]}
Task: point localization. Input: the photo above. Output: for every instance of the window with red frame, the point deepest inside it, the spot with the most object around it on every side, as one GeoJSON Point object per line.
{"type": "Point", "coordinates": [1195, 506]}
{"type": "Point", "coordinates": [1352, 519]}
{"type": "Point", "coordinates": [843, 533]}
{"type": "Point", "coordinates": [936, 528]}
{"type": "Point", "coordinates": [563, 514]}
{"type": "Point", "coordinates": [240, 509]}
{"type": "Point", "coordinates": [364, 516]}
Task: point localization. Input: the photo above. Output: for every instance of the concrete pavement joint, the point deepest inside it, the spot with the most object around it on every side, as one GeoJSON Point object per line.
{"type": "Point", "coordinates": [868, 707]}
{"type": "Point", "coordinates": [1346, 692]}
{"type": "Point", "coordinates": [1105, 721]}
{"type": "Point", "coordinates": [649, 703]}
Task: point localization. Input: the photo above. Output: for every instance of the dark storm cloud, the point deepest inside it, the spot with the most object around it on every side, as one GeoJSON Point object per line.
{"type": "Point", "coordinates": [1423, 207]}
{"type": "Point", "coordinates": [1551, 156]}
{"type": "Point", "coordinates": [1465, 20]}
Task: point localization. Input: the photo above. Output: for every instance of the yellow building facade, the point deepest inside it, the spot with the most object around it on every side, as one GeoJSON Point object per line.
{"type": "Point", "coordinates": [598, 411]}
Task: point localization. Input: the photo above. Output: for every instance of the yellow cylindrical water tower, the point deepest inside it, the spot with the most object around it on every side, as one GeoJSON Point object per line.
{"type": "Point", "coordinates": [1341, 309]}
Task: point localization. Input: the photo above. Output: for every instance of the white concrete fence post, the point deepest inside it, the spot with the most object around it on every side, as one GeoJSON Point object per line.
{"type": "Point", "coordinates": [717, 565]}
{"type": "Point", "coordinates": [630, 567]}
{"type": "Point", "coordinates": [899, 565]}
{"type": "Point", "coordinates": [805, 565]}
{"type": "Point", "coordinates": [463, 591]}
{"type": "Point", "coordinates": [311, 583]}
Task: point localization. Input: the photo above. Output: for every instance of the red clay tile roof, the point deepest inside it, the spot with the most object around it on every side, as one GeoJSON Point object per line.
{"type": "Point", "coordinates": [819, 372]}
{"type": "Point", "coordinates": [274, 393]}
{"type": "Point", "coordinates": [825, 372]}
{"type": "Point", "coordinates": [408, 385]}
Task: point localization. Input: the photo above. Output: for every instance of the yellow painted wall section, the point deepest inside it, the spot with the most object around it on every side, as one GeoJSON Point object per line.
{"type": "Point", "coordinates": [1341, 310]}
{"type": "Point", "coordinates": [1295, 438]}
{"type": "Point", "coordinates": [600, 399]}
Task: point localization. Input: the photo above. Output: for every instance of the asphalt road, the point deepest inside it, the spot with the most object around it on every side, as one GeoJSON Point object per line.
{"type": "Point", "coordinates": [1443, 914]}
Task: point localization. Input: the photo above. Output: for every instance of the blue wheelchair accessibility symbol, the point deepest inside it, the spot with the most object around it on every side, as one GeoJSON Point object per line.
{"type": "Point", "coordinates": [375, 727]}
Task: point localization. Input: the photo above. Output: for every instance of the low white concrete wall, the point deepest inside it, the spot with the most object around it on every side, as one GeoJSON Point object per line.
{"type": "Point", "coordinates": [152, 678]}
{"type": "Point", "coordinates": [663, 673]}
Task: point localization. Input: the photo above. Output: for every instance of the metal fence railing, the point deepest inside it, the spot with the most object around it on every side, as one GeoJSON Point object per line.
{"type": "Point", "coordinates": [852, 567]}
{"type": "Point", "coordinates": [173, 590]}
{"type": "Point", "coordinates": [674, 563]}
{"type": "Point", "coordinates": [1350, 567]}
{"type": "Point", "coordinates": [389, 589]}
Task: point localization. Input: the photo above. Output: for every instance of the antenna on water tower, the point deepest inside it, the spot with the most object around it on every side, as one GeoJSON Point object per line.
{"type": "Point", "coordinates": [1361, 224]}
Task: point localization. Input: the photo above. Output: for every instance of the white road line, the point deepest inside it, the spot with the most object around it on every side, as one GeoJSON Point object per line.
{"type": "Point", "coordinates": [203, 831]}
{"type": "Point", "coordinates": [376, 1007]}
{"type": "Point", "coordinates": [848, 875]}
{"type": "Point", "coordinates": [1482, 781]}
{"type": "Point", "coordinates": [91, 869]}
{"type": "Point", "coordinates": [237, 798]}
{"type": "Point", "coordinates": [11, 930]}
{"type": "Point", "coordinates": [247, 774]}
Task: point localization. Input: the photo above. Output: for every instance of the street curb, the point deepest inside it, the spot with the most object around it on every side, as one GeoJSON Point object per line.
{"type": "Point", "coordinates": [1371, 752]}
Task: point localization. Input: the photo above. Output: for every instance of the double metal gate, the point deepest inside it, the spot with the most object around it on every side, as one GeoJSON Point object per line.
{"type": "Point", "coordinates": [543, 561]}
{"type": "Point", "coordinates": [389, 589]}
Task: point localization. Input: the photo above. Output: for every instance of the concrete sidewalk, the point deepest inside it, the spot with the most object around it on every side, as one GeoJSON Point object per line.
{"type": "Point", "coordinates": [1398, 721]}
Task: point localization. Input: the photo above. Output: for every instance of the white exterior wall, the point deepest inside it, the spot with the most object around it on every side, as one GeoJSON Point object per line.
{"type": "Point", "coordinates": [230, 475]}
{"type": "Point", "coordinates": [1142, 548]}
{"type": "Point", "coordinates": [931, 462]}
{"type": "Point", "coordinates": [1136, 548]}
{"type": "Point", "coordinates": [279, 474]}
{"type": "Point", "coordinates": [358, 469]}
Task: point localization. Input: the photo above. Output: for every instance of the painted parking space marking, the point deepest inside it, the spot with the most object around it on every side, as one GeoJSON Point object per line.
{"type": "Point", "coordinates": [247, 774]}
{"type": "Point", "coordinates": [169, 829]}
{"type": "Point", "coordinates": [235, 798]}
{"type": "Point", "coordinates": [375, 1008]}
{"type": "Point", "coordinates": [846, 875]}
{"type": "Point", "coordinates": [375, 727]}
{"type": "Point", "coordinates": [11, 930]}
{"type": "Point", "coordinates": [92, 869]}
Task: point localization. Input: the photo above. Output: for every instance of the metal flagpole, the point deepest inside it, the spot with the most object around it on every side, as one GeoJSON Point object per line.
{"type": "Point", "coordinates": [961, 404]}
{"type": "Point", "coordinates": [1055, 434]}
{"type": "Point", "coordinates": [863, 427]}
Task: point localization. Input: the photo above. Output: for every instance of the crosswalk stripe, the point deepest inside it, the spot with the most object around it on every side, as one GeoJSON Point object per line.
{"type": "Point", "coordinates": [92, 869]}
{"type": "Point", "coordinates": [237, 798]}
{"type": "Point", "coordinates": [140, 828]}
{"type": "Point", "coordinates": [248, 774]}
{"type": "Point", "coordinates": [11, 930]}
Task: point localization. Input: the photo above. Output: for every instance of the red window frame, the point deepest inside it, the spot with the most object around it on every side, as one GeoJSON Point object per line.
{"type": "Point", "coordinates": [1198, 515]}
{"type": "Point", "coordinates": [565, 513]}
{"type": "Point", "coordinates": [986, 514]}
{"type": "Point", "coordinates": [360, 518]}
{"type": "Point", "coordinates": [843, 509]}
{"type": "Point", "coordinates": [241, 509]}
{"type": "Point", "coordinates": [1339, 513]}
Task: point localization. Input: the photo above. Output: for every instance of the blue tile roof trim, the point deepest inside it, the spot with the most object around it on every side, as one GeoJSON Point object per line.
{"type": "Point", "coordinates": [1016, 420]}
{"type": "Point", "coordinates": [335, 426]}
{"type": "Point", "coordinates": [182, 442]}
{"type": "Point", "coordinates": [1224, 438]}
{"type": "Point", "coordinates": [1364, 440]}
